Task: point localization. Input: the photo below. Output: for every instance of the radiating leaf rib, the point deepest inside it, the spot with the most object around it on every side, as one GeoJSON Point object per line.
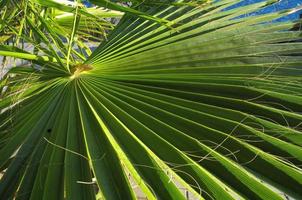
{"type": "Point", "coordinates": [204, 28]}
{"type": "Point", "coordinates": [76, 168]}
{"type": "Point", "coordinates": [256, 151]}
{"type": "Point", "coordinates": [215, 190]}
{"type": "Point", "coordinates": [215, 122]}
{"type": "Point", "coordinates": [54, 182]}
{"type": "Point", "coordinates": [151, 170]}
{"type": "Point", "coordinates": [26, 149]}
{"type": "Point", "coordinates": [104, 162]}
{"type": "Point", "coordinates": [22, 132]}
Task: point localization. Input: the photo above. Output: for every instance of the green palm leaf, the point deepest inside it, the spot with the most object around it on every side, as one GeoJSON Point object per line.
{"type": "Point", "coordinates": [209, 101]}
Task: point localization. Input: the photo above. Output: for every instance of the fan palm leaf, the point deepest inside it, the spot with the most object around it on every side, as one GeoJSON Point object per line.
{"type": "Point", "coordinates": [209, 101]}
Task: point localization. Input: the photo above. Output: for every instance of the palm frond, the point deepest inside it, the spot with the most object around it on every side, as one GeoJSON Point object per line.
{"type": "Point", "coordinates": [209, 101]}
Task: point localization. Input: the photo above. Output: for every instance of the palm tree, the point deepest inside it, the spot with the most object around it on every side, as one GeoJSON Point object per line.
{"type": "Point", "coordinates": [199, 95]}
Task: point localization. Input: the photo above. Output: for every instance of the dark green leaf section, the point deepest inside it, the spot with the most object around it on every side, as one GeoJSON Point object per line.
{"type": "Point", "coordinates": [208, 102]}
